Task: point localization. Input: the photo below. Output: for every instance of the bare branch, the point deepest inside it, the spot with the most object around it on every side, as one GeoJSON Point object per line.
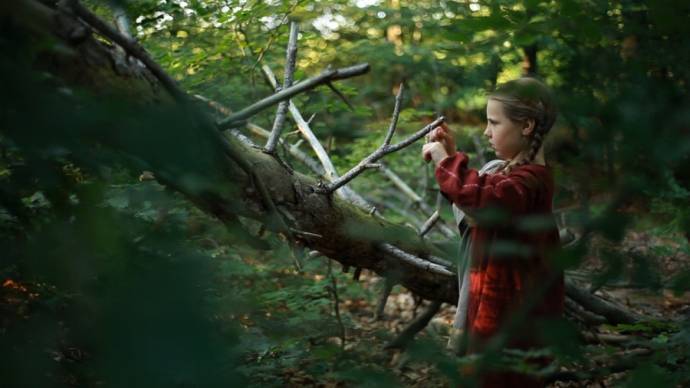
{"type": "Point", "coordinates": [440, 261]}
{"type": "Point", "coordinates": [415, 261]}
{"type": "Point", "coordinates": [385, 293]}
{"type": "Point", "coordinates": [287, 82]}
{"type": "Point", "coordinates": [418, 201]}
{"type": "Point", "coordinates": [306, 131]}
{"type": "Point", "coordinates": [614, 314]}
{"type": "Point", "coordinates": [396, 115]}
{"type": "Point", "coordinates": [287, 93]}
{"type": "Point", "coordinates": [429, 223]}
{"type": "Point", "coordinates": [400, 184]}
{"type": "Point", "coordinates": [417, 325]}
{"type": "Point", "coordinates": [214, 104]}
{"type": "Point", "coordinates": [130, 46]}
{"type": "Point", "coordinates": [416, 136]}
{"type": "Point", "coordinates": [121, 20]}
{"type": "Point", "coordinates": [328, 167]}
{"type": "Point", "coordinates": [383, 150]}
{"type": "Point", "coordinates": [340, 95]}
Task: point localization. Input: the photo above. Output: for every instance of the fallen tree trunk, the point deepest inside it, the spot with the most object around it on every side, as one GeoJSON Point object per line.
{"type": "Point", "coordinates": [216, 182]}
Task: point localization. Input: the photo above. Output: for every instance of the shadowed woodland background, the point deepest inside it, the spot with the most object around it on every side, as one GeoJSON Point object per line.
{"type": "Point", "coordinates": [112, 277]}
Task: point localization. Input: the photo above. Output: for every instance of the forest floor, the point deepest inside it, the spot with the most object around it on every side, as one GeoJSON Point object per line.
{"type": "Point", "coordinates": [366, 338]}
{"type": "Point", "coordinates": [290, 334]}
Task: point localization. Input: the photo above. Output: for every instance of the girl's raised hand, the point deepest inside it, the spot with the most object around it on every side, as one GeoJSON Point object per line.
{"type": "Point", "coordinates": [434, 151]}
{"type": "Point", "coordinates": [443, 135]}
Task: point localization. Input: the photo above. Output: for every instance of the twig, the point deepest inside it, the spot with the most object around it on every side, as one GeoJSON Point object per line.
{"type": "Point", "coordinates": [340, 95]}
{"type": "Point", "coordinates": [329, 169]}
{"type": "Point", "coordinates": [399, 183]}
{"type": "Point", "coordinates": [440, 261]}
{"type": "Point", "coordinates": [415, 261]}
{"type": "Point", "coordinates": [328, 75]}
{"type": "Point", "coordinates": [218, 107]}
{"type": "Point", "coordinates": [417, 325]}
{"type": "Point", "coordinates": [385, 293]}
{"type": "Point", "coordinates": [376, 155]}
{"type": "Point", "coordinates": [336, 303]}
{"type": "Point", "coordinates": [429, 224]}
{"type": "Point", "coordinates": [306, 131]}
{"type": "Point", "coordinates": [384, 149]}
{"type": "Point", "coordinates": [130, 46]}
{"type": "Point", "coordinates": [613, 314]}
{"type": "Point", "coordinates": [396, 115]}
{"type": "Point", "coordinates": [290, 59]}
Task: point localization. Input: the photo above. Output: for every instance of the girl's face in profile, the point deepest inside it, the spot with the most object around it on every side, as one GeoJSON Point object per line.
{"type": "Point", "coordinates": [505, 136]}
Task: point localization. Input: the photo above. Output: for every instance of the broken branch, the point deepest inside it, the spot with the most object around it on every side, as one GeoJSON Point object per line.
{"type": "Point", "coordinates": [415, 261]}
{"type": "Point", "coordinates": [383, 150]}
{"type": "Point", "coordinates": [287, 82]}
{"type": "Point", "coordinates": [326, 76]}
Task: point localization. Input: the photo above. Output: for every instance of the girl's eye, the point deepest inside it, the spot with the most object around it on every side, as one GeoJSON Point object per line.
{"type": "Point", "coordinates": [492, 122]}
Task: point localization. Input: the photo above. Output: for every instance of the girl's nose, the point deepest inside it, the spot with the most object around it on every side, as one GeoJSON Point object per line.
{"type": "Point", "coordinates": [487, 133]}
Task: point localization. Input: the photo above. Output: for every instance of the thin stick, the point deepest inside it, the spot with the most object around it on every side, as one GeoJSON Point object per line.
{"type": "Point", "coordinates": [429, 224]}
{"type": "Point", "coordinates": [415, 261]}
{"type": "Point", "coordinates": [340, 95]}
{"type": "Point", "coordinates": [417, 325]}
{"type": "Point", "coordinates": [385, 293]}
{"type": "Point", "coordinates": [336, 303]}
{"type": "Point", "coordinates": [613, 314]}
{"type": "Point", "coordinates": [383, 150]}
{"type": "Point", "coordinates": [306, 131]}
{"type": "Point", "coordinates": [399, 183]}
{"type": "Point", "coordinates": [330, 173]}
{"type": "Point", "coordinates": [326, 76]}
{"type": "Point", "coordinates": [290, 59]}
{"type": "Point", "coordinates": [396, 114]}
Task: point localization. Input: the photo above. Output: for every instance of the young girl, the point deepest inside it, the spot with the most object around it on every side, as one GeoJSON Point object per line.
{"type": "Point", "coordinates": [512, 229]}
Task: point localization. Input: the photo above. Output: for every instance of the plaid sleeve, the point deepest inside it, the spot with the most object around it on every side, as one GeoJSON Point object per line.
{"type": "Point", "coordinates": [466, 188]}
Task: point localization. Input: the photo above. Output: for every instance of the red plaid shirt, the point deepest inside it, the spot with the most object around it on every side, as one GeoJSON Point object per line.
{"type": "Point", "coordinates": [509, 254]}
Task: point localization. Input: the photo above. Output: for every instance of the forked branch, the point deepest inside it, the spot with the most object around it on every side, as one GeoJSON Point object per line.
{"type": "Point", "coordinates": [384, 149]}
{"type": "Point", "coordinates": [290, 59]}
{"type": "Point", "coordinates": [326, 76]}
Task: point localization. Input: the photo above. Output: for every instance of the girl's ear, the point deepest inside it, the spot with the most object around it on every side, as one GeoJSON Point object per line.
{"type": "Point", "coordinates": [528, 127]}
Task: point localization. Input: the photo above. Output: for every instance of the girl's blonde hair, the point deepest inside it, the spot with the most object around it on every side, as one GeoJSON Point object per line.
{"type": "Point", "coordinates": [528, 98]}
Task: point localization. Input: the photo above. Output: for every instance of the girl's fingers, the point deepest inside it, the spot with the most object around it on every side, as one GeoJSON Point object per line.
{"type": "Point", "coordinates": [426, 152]}
{"type": "Point", "coordinates": [438, 133]}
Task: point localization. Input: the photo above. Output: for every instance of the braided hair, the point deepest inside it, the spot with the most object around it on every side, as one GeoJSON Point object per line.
{"type": "Point", "coordinates": [528, 98]}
